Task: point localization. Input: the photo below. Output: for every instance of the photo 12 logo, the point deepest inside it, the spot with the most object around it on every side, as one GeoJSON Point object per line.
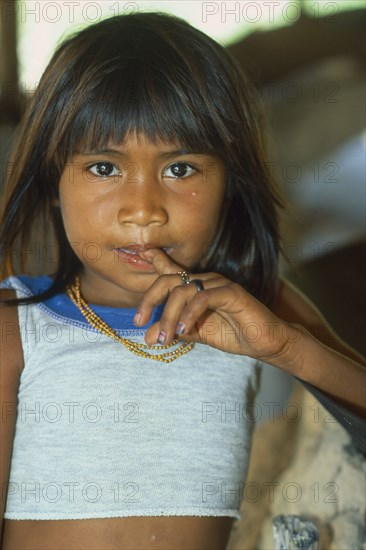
{"type": "Point", "coordinates": [72, 11]}
{"type": "Point", "coordinates": [265, 12]}
{"type": "Point", "coordinates": [70, 491]}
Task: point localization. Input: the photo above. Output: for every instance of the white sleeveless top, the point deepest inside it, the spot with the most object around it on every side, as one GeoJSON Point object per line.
{"type": "Point", "coordinates": [102, 433]}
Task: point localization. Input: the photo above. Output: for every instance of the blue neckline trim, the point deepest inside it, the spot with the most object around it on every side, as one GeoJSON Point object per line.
{"type": "Point", "coordinates": [117, 318]}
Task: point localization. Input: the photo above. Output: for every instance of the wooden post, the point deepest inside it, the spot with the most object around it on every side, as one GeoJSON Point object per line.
{"type": "Point", "coordinates": [10, 95]}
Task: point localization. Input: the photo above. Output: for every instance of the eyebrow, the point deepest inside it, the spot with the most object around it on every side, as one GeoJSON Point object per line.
{"type": "Point", "coordinates": [163, 154]}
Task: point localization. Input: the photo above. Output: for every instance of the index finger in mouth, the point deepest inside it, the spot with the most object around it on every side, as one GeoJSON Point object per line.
{"type": "Point", "coordinates": [161, 261]}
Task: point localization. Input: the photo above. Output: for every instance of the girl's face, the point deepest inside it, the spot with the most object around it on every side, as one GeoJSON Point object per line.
{"type": "Point", "coordinates": [118, 200]}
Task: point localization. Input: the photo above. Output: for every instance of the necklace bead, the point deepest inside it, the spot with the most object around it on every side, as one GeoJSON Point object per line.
{"type": "Point", "coordinates": [74, 293]}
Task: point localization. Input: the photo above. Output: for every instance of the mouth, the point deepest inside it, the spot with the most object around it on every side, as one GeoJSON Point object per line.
{"type": "Point", "coordinates": [135, 250]}
{"type": "Point", "coordinates": [130, 255]}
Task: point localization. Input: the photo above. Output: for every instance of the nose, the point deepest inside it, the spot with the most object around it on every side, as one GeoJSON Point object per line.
{"type": "Point", "coordinates": [142, 203]}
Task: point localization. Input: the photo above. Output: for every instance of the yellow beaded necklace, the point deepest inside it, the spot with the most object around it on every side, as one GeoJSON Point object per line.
{"type": "Point", "coordinates": [73, 292]}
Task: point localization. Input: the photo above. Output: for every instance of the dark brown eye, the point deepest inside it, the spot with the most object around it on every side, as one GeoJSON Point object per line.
{"type": "Point", "coordinates": [104, 169]}
{"type": "Point", "coordinates": [180, 170]}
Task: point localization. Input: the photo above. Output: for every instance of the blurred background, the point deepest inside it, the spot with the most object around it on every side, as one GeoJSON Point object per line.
{"type": "Point", "coordinates": [306, 60]}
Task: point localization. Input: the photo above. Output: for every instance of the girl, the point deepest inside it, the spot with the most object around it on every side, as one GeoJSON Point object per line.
{"type": "Point", "coordinates": [127, 377]}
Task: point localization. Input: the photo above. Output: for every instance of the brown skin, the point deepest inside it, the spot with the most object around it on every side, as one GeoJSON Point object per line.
{"type": "Point", "coordinates": [168, 533]}
{"type": "Point", "coordinates": [182, 214]}
{"type": "Point", "coordinates": [141, 203]}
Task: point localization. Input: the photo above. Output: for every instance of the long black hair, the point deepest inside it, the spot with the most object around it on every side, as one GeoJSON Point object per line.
{"type": "Point", "coordinates": [157, 75]}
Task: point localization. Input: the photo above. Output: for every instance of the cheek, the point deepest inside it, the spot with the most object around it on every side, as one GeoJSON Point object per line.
{"type": "Point", "coordinates": [214, 215]}
{"type": "Point", "coordinates": [212, 212]}
{"type": "Point", "coordinates": [76, 223]}
{"type": "Point", "coordinates": [81, 216]}
{"type": "Point", "coordinates": [203, 223]}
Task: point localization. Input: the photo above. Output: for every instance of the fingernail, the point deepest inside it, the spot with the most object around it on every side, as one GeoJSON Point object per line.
{"type": "Point", "coordinates": [180, 328]}
{"type": "Point", "coordinates": [137, 318]}
{"type": "Point", "coordinates": [162, 337]}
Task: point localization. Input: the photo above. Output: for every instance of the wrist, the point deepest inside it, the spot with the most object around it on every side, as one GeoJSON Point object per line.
{"type": "Point", "coordinates": [290, 356]}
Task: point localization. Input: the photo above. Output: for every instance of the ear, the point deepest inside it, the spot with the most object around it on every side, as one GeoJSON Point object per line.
{"type": "Point", "coordinates": [55, 203]}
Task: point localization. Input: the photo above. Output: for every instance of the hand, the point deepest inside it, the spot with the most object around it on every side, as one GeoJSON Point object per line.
{"type": "Point", "coordinates": [223, 315]}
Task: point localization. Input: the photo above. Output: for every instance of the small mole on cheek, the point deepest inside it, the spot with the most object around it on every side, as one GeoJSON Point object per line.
{"type": "Point", "coordinates": [194, 193]}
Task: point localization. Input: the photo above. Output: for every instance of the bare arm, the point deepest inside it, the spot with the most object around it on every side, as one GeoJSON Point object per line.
{"type": "Point", "coordinates": [292, 335]}
{"type": "Point", "coordinates": [11, 362]}
{"type": "Point", "coordinates": [318, 355]}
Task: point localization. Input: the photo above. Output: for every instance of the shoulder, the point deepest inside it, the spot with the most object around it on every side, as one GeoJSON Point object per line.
{"type": "Point", "coordinates": [12, 316]}
{"type": "Point", "coordinates": [27, 285]}
{"type": "Point", "coordinates": [11, 345]}
{"type": "Point", "coordinates": [11, 364]}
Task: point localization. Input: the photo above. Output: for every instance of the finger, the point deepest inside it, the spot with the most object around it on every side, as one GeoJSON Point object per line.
{"type": "Point", "coordinates": [163, 264]}
{"type": "Point", "coordinates": [180, 296]}
{"type": "Point", "coordinates": [160, 291]}
{"type": "Point", "coordinates": [155, 295]}
{"type": "Point", "coordinates": [219, 297]}
{"type": "Point", "coordinates": [152, 335]}
{"type": "Point", "coordinates": [161, 261]}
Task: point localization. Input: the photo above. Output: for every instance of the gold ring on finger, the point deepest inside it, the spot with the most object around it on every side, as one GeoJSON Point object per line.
{"type": "Point", "coordinates": [185, 277]}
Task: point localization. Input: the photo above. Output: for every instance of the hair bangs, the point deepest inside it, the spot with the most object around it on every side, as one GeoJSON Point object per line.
{"type": "Point", "coordinates": [142, 99]}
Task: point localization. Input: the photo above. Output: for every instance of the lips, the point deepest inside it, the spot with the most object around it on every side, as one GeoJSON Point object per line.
{"type": "Point", "coordinates": [136, 249]}
{"type": "Point", "coordinates": [130, 255]}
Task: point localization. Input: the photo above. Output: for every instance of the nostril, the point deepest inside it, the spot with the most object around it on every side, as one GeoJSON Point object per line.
{"type": "Point", "coordinates": [142, 213]}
